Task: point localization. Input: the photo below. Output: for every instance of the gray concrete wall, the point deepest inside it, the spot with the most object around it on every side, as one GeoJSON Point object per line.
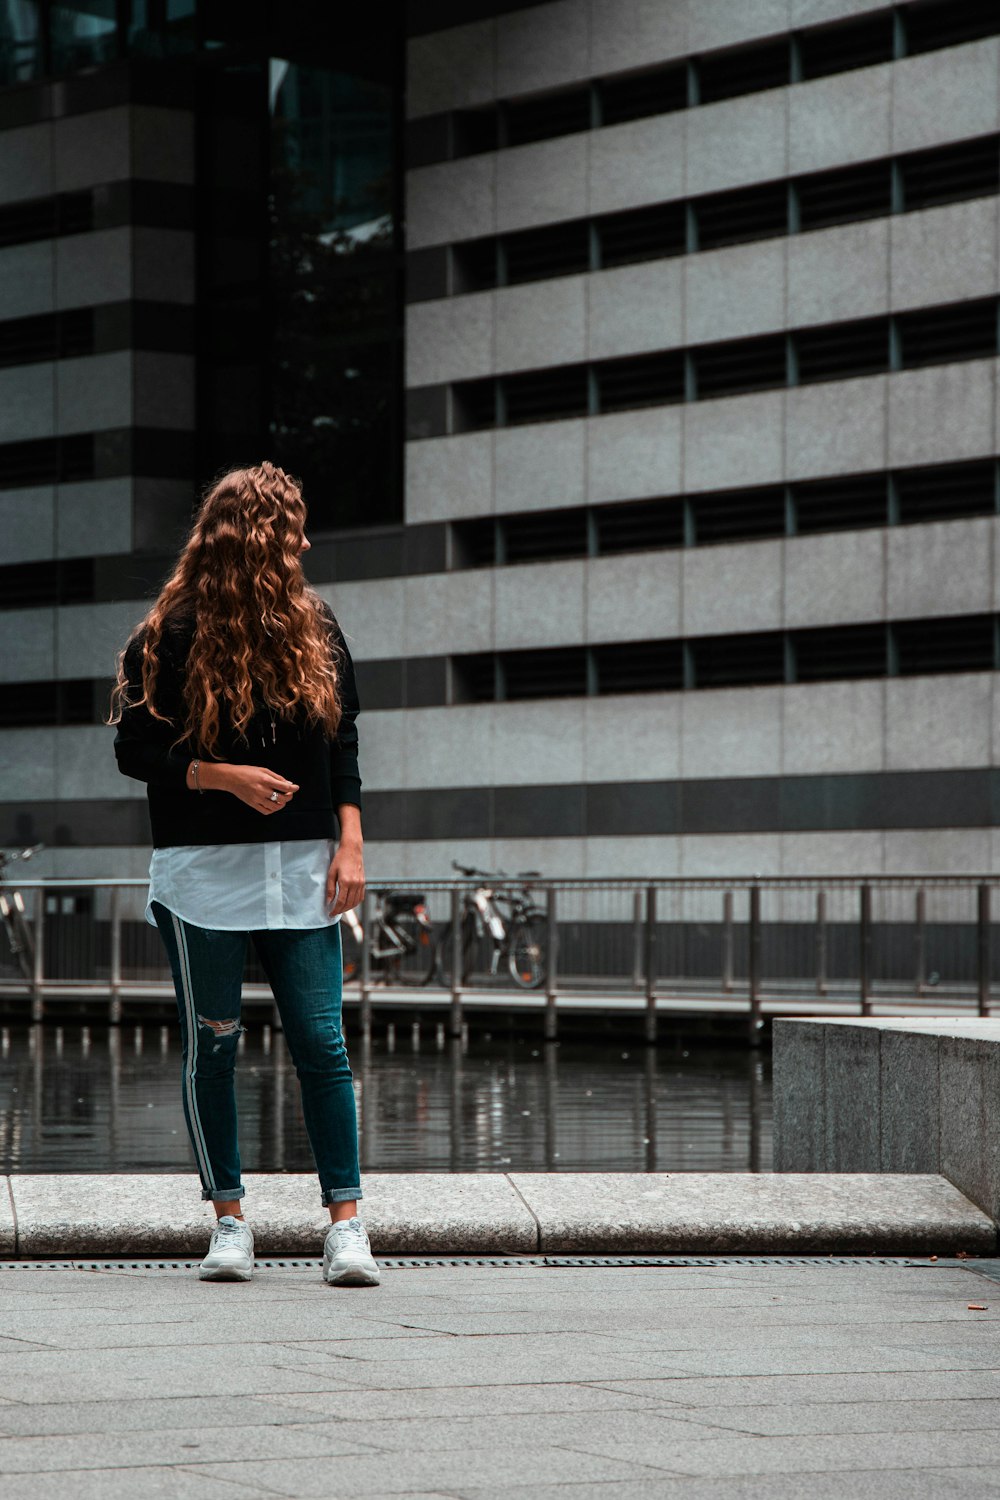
{"type": "Point", "coordinates": [875, 1095]}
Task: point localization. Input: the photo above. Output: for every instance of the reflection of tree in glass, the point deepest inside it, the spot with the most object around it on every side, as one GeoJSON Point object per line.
{"type": "Point", "coordinates": [333, 357]}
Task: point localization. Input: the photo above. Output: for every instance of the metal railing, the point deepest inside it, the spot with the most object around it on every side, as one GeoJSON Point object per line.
{"type": "Point", "coordinates": [763, 946]}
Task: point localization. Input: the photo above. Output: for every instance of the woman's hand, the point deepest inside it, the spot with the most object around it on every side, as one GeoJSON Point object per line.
{"type": "Point", "coordinates": [347, 869]}
{"type": "Point", "coordinates": [252, 784]}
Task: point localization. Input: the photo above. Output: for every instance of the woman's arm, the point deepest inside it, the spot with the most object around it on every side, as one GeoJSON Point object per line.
{"type": "Point", "coordinates": [143, 744]}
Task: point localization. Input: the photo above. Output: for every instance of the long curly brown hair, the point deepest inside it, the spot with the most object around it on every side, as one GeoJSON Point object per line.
{"type": "Point", "coordinates": [239, 575]}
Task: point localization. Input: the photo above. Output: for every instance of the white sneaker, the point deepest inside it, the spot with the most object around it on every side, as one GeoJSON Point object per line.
{"type": "Point", "coordinates": [230, 1254]}
{"type": "Point", "coordinates": [347, 1255]}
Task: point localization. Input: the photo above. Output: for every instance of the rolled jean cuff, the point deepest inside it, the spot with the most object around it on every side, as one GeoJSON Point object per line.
{"type": "Point", "coordinates": [340, 1195]}
{"type": "Point", "coordinates": [222, 1195]}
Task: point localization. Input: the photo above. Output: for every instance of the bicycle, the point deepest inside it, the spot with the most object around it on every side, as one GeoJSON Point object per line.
{"type": "Point", "coordinates": [14, 916]}
{"type": "Point", "coordinates": [401, 928]}
{"type": "Point", "coordinates": [518, 938]}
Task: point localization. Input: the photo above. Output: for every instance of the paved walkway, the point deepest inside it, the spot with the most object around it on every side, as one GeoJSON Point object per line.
{"type": "Point", "coordinates": [523, 1382]}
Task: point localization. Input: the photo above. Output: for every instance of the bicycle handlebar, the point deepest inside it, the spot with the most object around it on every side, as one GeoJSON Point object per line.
{"type": "Point", "coordinates": [8, 859]}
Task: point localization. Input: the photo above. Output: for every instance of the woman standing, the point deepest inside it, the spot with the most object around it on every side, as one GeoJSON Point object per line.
{"type": "Point", "coordinates": [235, 702]}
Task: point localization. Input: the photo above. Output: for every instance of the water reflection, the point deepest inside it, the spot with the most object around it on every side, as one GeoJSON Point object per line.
{"type": "Point", "coordinates": [93, 1099]}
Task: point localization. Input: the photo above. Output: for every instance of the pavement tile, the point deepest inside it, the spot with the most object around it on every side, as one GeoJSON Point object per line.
{"type": "Point", "coordinates": [447, 1401]}
{"type": "Point", "coordinates": [447, 1470]}
{"type": "Point", "coordinates": [850, 1416]}
{"type": "Point", "coordinates": [878, 1484]}
{"type": "Point", "coordinates": [56, 1418]}
{"type": "Point", "coordinates": [182, 1445]}
{"type": "Point", "coordinates": [850, 1385]}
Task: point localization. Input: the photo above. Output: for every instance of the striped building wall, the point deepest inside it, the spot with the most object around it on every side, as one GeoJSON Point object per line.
{"type": "Point", "coordinates": [699, 566]}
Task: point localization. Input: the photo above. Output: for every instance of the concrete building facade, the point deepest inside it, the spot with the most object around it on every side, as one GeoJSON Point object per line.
{"type": "Point", "coordinates": [697, 571]}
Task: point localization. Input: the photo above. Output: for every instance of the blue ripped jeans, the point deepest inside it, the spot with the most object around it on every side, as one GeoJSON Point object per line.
{"type": "Point", "coordinates": [305, 971]}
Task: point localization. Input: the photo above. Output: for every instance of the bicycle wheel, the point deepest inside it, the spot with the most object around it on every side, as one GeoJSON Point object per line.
{"type": "Point", "coordinates": [410, 966]}
{"type": "Point", "coordinates": [22, 945]}
{"type": "Point", "coordinates": [443, 954]}
{"type": "Point", "coordinates": [526, 952]}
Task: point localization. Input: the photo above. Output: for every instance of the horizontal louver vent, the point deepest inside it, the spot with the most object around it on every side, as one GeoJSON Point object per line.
{"type": "Point", "coordinates": [736, 660]}
{"type": "Point", "coordinates": [474, 543]}
{"type": "Point", "coordinates": [543, 118]}
{"type": "Point", "coordinates": [642, 234]}
{"type": "Point", "coordinates": [945, 491]}
{"type": "Point", "coordinates": [950, 174]}
{"type": "Point", "coordinates": [545, 534]}
{"type": "Point", "coordinates": [861, 43]}
{"type": "Point", "coordinates": [847, 651]}
{"type": "Point", "coordinates": [842, 350]}
{"type": "Point", "coordinates": [41, 703]}
{"type": "Point", "coordinates": [556, 673]}
{"type": "Point", "coordinates": [846, 195]}
{"type": "Point", "coordinates": [655, 92]}
{"type": "Point", "coordinates": [475, 130]}
{"type": "Point", "coordinates": [474, 405]}
{"type": "Point", "coordinates": [546, 395]}
{"type": "Point", "coordinates": [474, 265]}
{"type": "Point", "coordinates": [845, 503]}
{"type": "Point", "coordinates": [752, 214]}
{"type": "Point", "coordinates": [933, 335]}
{"type": "Point", "coordinates": [474, 678]}
{"type": "Point", "coordinates": [47, 461]}
{"type": "Point", "coordinates": [740, 365]}
{"type": "Point", "coordinates": [643, 380]}
{"type": "Point", "coordinates": [739, 515]}
{"type": "Point", "coordinates": [559, 250]}
{"type": "Point", "coordinates": [67, 581]}
{"type": "Point", "coordinates": [965, 644]}
{"type": "Point", "coordinates": [640, 524]}
{"type": "Point", "coordinates": [640, 667]}
{"type": "Point", "coordinates": [743, 70]}
{"type": "Point", "coordinates": [930, 24]}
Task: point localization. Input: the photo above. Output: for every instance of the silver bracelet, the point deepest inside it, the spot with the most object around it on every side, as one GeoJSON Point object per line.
{"type": "Point", "coordinates": [194, 773]}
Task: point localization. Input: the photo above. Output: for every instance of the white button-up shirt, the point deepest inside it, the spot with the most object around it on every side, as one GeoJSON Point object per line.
{"type": "Point", "coordinates": [244, 887]}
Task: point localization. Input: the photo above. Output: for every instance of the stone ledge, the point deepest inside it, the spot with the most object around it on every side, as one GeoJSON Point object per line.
{"type": "Point", "coordinates": [522, 1213]}
{"type": "Point", "coordinates": [891, 1094]}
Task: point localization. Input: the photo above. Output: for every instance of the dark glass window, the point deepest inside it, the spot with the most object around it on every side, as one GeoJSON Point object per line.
{"type": "Point", "coordinates": [82, 35]}
{"type": "Point", "coordinates": [20, 41]}
{"type": "Point", "coordinates": [545, 534]}
{"type": "Point", "coordinates": [736, 660]}
{"type": "Point", "coordinates": [332, 288]}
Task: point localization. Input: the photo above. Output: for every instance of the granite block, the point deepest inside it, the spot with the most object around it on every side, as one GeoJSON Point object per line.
{"type": "Point", "coordinates": [805, 1213]}
{"type": "Point", "coordinates": [909, 1102]}
{"type": "Point", "coordinates": [851, 1085]}
{"type": "Point", "coordinates": [799, 1098]}
{"type": "Point", "coordinates": [162, 1214]}
{"type": "Point", "coordinates": [970, 1121]}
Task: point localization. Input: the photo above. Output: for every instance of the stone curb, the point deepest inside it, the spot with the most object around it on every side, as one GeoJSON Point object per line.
{"type": "Point", "coordinates": [614, 1213]}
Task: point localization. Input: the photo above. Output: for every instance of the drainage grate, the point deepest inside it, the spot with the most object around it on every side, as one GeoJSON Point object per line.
{"type": "Point", "coordinates": [596, 1262]}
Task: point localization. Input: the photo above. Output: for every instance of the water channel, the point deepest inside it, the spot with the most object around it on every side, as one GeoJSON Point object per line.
{"type": "Point", "coordinates": [76, 1098]}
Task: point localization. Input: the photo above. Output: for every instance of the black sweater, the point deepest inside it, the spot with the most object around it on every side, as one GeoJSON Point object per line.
{"type": "Point", "coordinates": [325, 771]}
